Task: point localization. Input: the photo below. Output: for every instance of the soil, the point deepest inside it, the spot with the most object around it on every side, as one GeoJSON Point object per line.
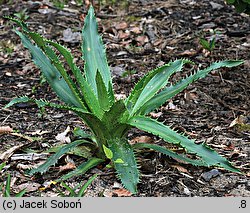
{"type": "Point", "coordinates": [139, 36]}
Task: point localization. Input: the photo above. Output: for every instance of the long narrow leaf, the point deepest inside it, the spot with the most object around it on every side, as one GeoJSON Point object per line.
{"type": "Point", "coordinates": [157, 81]}
{"type": "Point", "coordinates": [7, 187]}
{"type": "Point", "coordinates": [52, 160]}
{"type": "Point", "coordinates": [71, 190]}
{"type": "Point", "coordinates": [208, 155]}
{"type": "Point", "coordinates": [171, 91]}
{"type": "Point", "coordinates": [125, 163]}
{"type": "Point", "coordinates": [21, 193]}
{"type": "Point", "coordinates": [51, 73]}
{"type": "Point", "coordinates": [169, 153]}
{"type": "Point", "coordinates": [86, 185]}
{"type": "Point", "coordinates": [86, 90]}
{"type": "Point", "coordinates": [81, 169]}
{"type": "Point", "coordinates": [42, 103]}
{"type": "Point", "coordinates": [103, 95]}
{"type": "Point", "coordinates": [113, 117]}
{"type": "Point", "coordinates": [42, 43]}
{"type": "Point", "coordinates": [94, 53]}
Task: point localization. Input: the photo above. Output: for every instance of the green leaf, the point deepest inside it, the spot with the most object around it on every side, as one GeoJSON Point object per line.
{"type": "Point", "coordinates": [40, 41]}
{"type": "Point", "coordinates": [43, 103]}
{"type": "Point", "coordinates": [112, 120]}
{"type": "Point", "coordinates": [51, 73]}
{"type": "Point", "coordinates": [52, 160]}
{"type": "Point", "coordinates": [171, 91]}
{"type": "Point", "coordinates": [169, 153]}
{"type": "Point", "coordinates": [81, 169]}
{"type": "Point", "coordinates": [205, 44]}
{"type": "Point", "coordinates": [7, 186]}
{"type": "Point", "coordinates": [82, 151]}
{"type": "Point", "coordinates": [86, 185]}
{"type": "Point", "coordinates": [152, 83]}
{"type": "Point", "coordinates": [119, 160]}
{"type": "Point", "coordinates": [94, 53]}
{"type": "Point", "coordinates": [86, 90]}
{"type": "Point", "coordinates": [108, 152]}
{"type": "Point", "coordinates": [2, 165]}
{"type": "Point", "coordinates": [69, 59]}
{"type": "Point", "coordinates": [208, 155]}
{"type": "Point", "coordinates": [127, 170]}
{"type": "Point", "coordinates": [78, 132]}
{"type": "Point", "coordinates": [103, 95]}
{"type": "Point", "coordinates": [91, 99]}
{"type": "Point", "coordinates": [21, 193]}
{"type": "Point", "coordinates": [18, 100]}
{"type": "Point", "coordinates": [230, 1]}
{"type": "Point", "coordinates": [69, 189]}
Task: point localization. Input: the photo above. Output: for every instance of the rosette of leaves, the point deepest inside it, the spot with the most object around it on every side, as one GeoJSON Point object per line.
{"type": "Point", "coordinates": [242, 6]}
{"type": "Point", "coordinates": [89, 93]}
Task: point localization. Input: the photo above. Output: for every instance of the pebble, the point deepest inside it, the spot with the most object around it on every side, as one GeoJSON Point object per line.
{"type": "Point", "coordinates": [207, 176]}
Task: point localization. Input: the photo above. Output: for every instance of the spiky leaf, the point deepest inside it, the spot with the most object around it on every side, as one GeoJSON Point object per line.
{"type": "Point", "coordinates": [86, 90]}
{"type": "Point", "coordinates": [171, 91]}
{"type": "Point", "coordinates": [103, 95]}
{"type": "Point", "coordinates": [169, 153]}
{"type": "Point", "coordinates": [152, 83]}
{"type": "Point", "coordinates": [112, 119]}
{"type": "Point", "coordinates": [52, 160]}
{"type": "Point", "coordinates": [81, 169]}
{"type": "Point", "coordinates": [51, 73]}
{"type": "Point", "coordinates": [208, 155]}
{"type": "Point", "coordinates": [125, 163]}
{"type": "Point", "coordinates": [42, 103]}
{"type": "Point", "coordinates": [94, 53]}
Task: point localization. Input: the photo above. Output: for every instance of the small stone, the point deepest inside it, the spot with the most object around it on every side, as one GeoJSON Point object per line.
{"type": "Point", "coordinates": [216, 6]}
{"type": "Point", "coordinates": [207, 176]}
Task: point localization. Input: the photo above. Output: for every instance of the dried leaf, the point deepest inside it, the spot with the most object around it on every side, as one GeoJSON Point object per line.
{"type": "Point", "coordinates": [121, 26]}
{"type": "Point", "coordinates": [120, 96]}
{"type": "Point", "coordinates": [29, 156]}
{"type": "Point", "coordinates": [62, 137]}
{"type": "Point", "coordinates": [180, 168]}
{"type": "Point", "coordinates": [68, 166]}
{"type": "Point", "coordinates": [207, 176]}
{"type": "Point", "coordinates": [107, 193]}
{"type": "Point", "coordinates": [188, 95]}
{"type": "Point", "coordinates": [29, 187]}
{"type": "Point", "coordinates": [71, 37]}
{"type": "Point", "coordinates": [22, 166]}
{"type": "Point", "coordinates": [141, 139]}
{"type": "Point", "coordinates": [142, 39]}
{"type": "Point", "coordinates": [87, 3]}
{"type": "Point", "coordinates": [188, 53]}
{"type": "Point", "coordinates": [239, 120]}
{"type": "Point", "coordinates": [122, 192]}
{"type": "Point", "coordinates": [5, 129]}
{"type": "Point", "coordinates": [171, 106]}
{"type": "Point", "coordinates": [123, 35]}
{"type": "Point", "coordinates": [22, 136]}
{"type": "Point", "coordinates": [135, 30]}
{"type": "Point", "coordinates": [155, 115]}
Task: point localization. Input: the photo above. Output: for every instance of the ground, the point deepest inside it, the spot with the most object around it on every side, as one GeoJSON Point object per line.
{"type": "Point", "coordinates": [139, 36]}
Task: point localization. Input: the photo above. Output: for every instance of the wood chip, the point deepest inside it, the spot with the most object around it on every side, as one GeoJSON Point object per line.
{"type": "Point", "coordinates": [5, 129]}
